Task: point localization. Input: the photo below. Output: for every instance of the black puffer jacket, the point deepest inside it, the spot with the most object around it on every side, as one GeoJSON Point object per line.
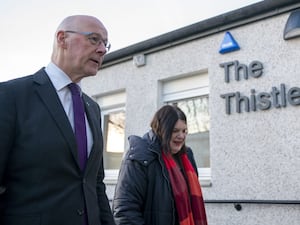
{"type": "Point", "coordinates": [143, 195]}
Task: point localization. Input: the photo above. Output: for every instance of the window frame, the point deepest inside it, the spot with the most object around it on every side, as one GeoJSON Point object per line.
{"type": "Point", "coordinates": [196, 85]}
{"type": "Point", "coordinates": [111, 175]}
{"type": "Point", "coordinates": [109, 103]}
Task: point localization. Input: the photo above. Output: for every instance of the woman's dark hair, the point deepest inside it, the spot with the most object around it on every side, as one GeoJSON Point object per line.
{"type": "Point", "coordinates": [163, 123]}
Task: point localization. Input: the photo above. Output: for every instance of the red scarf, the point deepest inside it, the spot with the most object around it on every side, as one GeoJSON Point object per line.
{"type": "Point", "coordinates": [187, 193]}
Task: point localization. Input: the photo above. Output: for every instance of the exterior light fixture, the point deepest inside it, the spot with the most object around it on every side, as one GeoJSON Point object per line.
{"type": "Point", "coordinates": [292, 26]}
{"type": "Point", "coordinates": [139, 60]}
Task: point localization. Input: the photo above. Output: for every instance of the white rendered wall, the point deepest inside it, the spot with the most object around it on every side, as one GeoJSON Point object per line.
{"type": "Point", "coordinates": [254, 155]}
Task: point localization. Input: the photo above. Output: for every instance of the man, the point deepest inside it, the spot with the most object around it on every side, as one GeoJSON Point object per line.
{"type": "Point", "coordinates": [44, 177]}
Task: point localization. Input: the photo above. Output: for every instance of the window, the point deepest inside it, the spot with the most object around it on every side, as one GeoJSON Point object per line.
{"type": "Point", "coordinates": [114, 138]}
{"type": "Point", "coordinates": [191, 95]}
{"type": "Point", "coordinates": [196, 111]}
{"type": "Point", "coordinates": [113, 126]}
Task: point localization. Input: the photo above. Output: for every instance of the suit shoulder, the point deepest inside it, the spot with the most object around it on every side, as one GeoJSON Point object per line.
{"type": "Point", "coordinates": [23, 81]}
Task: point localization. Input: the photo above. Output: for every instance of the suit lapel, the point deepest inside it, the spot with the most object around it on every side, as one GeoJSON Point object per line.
{"type": "Point", "coordinates": [95, 128]}
{"type": "Point", "coordinates": [50, 99]}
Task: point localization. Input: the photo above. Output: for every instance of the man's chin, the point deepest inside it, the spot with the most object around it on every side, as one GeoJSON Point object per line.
{"type": "Point", "coordinates": [92, 72]}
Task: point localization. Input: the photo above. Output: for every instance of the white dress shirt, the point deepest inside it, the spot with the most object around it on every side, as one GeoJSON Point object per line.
{"type": "Point", "coordinates": [60, 81]}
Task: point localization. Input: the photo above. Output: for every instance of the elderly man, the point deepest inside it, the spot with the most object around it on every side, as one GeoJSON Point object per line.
{"type": "Point", "coordinates": [51, 147]}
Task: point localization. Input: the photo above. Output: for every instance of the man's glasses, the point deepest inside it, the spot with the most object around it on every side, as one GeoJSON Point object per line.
{"type": "Point", "coordinates": [94, 38]}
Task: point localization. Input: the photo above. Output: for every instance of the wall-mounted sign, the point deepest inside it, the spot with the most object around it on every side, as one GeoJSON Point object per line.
{"type": "Point", "coordinates": [276, 97]}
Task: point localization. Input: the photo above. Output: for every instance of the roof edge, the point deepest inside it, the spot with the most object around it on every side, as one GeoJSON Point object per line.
{"type": "Point", "coordinates": [251, 13]}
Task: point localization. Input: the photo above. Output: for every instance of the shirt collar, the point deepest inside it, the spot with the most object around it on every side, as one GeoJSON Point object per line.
{"type": "Point", "coordinates": [58, 77]}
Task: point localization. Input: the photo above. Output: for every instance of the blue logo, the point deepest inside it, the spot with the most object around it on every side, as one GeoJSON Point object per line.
{"type": "Point", "coordinates": [228, 44]}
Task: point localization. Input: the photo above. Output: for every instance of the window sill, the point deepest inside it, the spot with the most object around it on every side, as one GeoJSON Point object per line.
{"type": "Point", "coordinates": [111, 177]}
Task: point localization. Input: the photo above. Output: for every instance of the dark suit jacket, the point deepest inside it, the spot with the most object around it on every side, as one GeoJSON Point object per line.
{"type": "Point", "coordinates": [39, 168]}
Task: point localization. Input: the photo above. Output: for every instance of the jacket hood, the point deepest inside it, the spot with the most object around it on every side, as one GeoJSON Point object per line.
{"type": "Point", "coordinates": [144, 149]}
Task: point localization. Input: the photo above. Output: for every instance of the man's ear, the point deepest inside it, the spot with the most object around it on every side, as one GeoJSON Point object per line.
{"type": "Point", "coordinates": [61, 39]}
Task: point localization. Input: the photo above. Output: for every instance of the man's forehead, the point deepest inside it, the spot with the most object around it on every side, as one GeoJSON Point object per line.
{"type": "Point", "coordinates": [92, 26]}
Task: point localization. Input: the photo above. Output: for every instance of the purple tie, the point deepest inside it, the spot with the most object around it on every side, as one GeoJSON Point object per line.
{"type": "Point", "coordinates": [80, 132]}
{"type": "Point", "coordinates": [79, 124]}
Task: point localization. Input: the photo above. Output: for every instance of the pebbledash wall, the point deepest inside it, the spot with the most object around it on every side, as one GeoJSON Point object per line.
{"type": "Point", "coordinates": [254, 106]}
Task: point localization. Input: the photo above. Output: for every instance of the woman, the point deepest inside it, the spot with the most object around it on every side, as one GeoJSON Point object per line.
{"type": "Point", "coordinates": [158, 181]}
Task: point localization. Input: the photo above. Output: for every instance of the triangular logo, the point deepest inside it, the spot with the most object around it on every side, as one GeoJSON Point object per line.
{"type": "Point", "coordinates": [228, 44]}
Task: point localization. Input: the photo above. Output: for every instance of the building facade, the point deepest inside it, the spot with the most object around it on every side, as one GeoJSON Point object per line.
{"type": "Point", "coordinates": [237, 77]}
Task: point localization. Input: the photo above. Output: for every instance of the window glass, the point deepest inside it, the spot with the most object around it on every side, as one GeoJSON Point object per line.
{"type": "Point", "coordinates": [196, 111]}
{"type": "Point", "coordinates": [190, 92]}
{"type": "Point", "coordinates": [114, 139]}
